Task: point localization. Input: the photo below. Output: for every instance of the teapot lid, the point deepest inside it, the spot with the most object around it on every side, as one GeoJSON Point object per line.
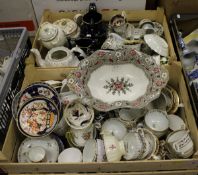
{"type": "Point", "coordinates": [48, 31]}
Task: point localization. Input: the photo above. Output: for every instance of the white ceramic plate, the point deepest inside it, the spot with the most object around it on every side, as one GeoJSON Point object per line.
{"type": "Point", "coordinates": [115, 79]}
{"type": "Point", "coordinates": [156, 43]}
{"type": "Point", "coordinates": [49, 144]}
{"type": "Point", "coordinates": [90, 151]}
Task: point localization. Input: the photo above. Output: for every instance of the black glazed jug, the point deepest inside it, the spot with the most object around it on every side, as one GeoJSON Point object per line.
{"type": "Point", "coordinates": [93, 30]}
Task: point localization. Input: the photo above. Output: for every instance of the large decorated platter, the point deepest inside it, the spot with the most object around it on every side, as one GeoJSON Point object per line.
{"type": "Point", "coordinates": [109, 80]}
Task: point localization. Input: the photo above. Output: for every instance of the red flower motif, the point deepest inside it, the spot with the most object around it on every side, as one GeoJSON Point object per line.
{"type": "Point", "coordinates": [101, 53]}
{"type": "Point", "coordinates": [159, 83]}
{"type": "Point", "coordinates": [133, 52]}
{"type": "Point", "coordinates": [78, 74]}
{"type": "Point", "coordinates": [156, 69]}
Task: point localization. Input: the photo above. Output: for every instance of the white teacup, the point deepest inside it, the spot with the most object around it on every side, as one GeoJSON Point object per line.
{"type": "Point", "coordinates": [180, 144]}
{"type": "Point", "coordinates": [157, 122]}
{"type": "Point", "coordinates": [114, 149]}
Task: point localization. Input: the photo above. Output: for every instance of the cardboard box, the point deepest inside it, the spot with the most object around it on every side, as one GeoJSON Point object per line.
{"type": "Point", "coordinates": [18, 13]}
{"type": "Point", "coordinates": [14, 137]}
{"type": "Point", "coordinates": [79, 5]}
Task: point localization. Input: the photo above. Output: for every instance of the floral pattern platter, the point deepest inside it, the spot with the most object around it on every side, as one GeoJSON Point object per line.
{"type": "Point", "coordinates": [109, 80]}
{"type": "Point", "coordinates": [37, 117]}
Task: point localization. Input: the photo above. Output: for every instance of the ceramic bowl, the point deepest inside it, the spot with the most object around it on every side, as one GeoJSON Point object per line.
{"type": "Point", "coordinates": [78, 116]}
{"type": "Point", "coordinates": [37, 117]}
{"type": "Point", "coordinates": [180, 144]}
{"type": "Point", "coordinates": [39, 150]}
{"type": "Point", "coordinates": [176, 123]}
{"type": "Point", "coordinates": [114, 149]}
{"type": "Point", "coordinates": [157, 121]}
{"type": "Point", "coordinates": [156, 43]}
{"type": "Point", "coordinates": [114, 127]}
{"type": "Point", "coordinates": [133, 145]}
{"type": "Point", "coordinates": [70, 155]}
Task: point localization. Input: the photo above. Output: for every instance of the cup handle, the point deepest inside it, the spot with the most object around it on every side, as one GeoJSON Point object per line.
{"type": "Point", "coordinates": [124, 14]}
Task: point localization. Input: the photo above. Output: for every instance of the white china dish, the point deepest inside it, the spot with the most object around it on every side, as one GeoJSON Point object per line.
{"type": "Point", "coordinates": [156, 43]}
{"type": "Point", "coordinates": [47, 150]}
{"type": "Point", "coordinates": [70, 155]}
{"type": "Point", "coordinates": [109, 80]}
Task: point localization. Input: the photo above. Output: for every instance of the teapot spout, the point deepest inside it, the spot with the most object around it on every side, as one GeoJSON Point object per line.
{"type": "Point", "coordinates": [40, 62]}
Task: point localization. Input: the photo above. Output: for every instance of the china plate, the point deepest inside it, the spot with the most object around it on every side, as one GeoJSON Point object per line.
{"type": "Point", "coordinates": [109, 80]}
{"type": "Point", "coordinates": [49, 144]}
{"type": "Point", "coordinates": [39, 89]}
{"type": "Point", "coordinates": [37, 117]}
{"type": "Point", "coordinates": [157, 43]}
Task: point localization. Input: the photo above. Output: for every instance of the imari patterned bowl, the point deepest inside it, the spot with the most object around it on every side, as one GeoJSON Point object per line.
{"type": "Point", "coordinates": [109, 80]}
{"type": "Point", "coordinates": [37, 117]}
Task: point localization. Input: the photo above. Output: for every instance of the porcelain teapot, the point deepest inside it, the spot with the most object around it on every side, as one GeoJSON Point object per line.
{"type": "Point", "coordinates": [51, 35]}
{"type": "Point", "coordinates": [56, 57]}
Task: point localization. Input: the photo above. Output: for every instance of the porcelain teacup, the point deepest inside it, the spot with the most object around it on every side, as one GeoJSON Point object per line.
{"type": "Point", "coordinates": [114, 149]}
{"type": "Point", "coordinates": [115, 127]}
{"type": "Point", "coordinates": [78, 116]}
{"type": "Point", "coordinates": [176, 123]}
{"type": "Point", "coordinates": [157, 122]}
{"type": "Point", "coordinates": [180, 144]}
{"type": "Point", "coordinates": [134, 146]}
{"type": "Point", "coordinates": [80, 136]}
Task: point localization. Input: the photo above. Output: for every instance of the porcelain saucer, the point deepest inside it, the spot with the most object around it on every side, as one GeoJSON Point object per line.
{"type": "Point", "coordinates": [49, 144]}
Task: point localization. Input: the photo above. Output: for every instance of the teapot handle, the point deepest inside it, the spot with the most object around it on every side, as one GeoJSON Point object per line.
{"type": "Point", "coordinates": [92, 7]}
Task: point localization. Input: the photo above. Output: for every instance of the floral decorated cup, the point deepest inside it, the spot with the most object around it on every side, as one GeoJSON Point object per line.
{"type": "Point", "coordinates": [114, 149]}
{"type": "Point", "coordinates": [78, 116]}
{"type": "Point", "coordinates": [80, 136]}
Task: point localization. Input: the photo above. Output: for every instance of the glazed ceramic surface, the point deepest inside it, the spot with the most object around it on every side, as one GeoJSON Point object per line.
{"type": "Point", "coordinates": [31, 150]}
{"type": "Point", "coordinates": [78, 116]}
{"type": "Point", "coordinates": [100, 150]}
{"type": "Point", "coordinates": [114, 79]}
{"type": "Point", "coordinates": [37, 117]}
{"type": "Point", "coordinates": [56, 57]}
{"type": "Point", "coordinates": [134, 146]}
{"type": "Point", "coordinates": [180, 144]}
{"type": "Point", "coordinates": [176, 123]}
{"type": "Point", "coordinates": [81, 136]}
{"type": "Point", "coordinates": [114, 127]}
{"type": "Point", "coordinates": [158, 28]}
{"type": "Point", "coordinates": [156, 43]}
{"type": "Point", "coordinates": [70, 155]}
{"type": "Point", "coordinates": [90, 151]}
{"type": "Point", "coordinates": [114, 149]}
{"type": "Point", "coordinates": [67, 25]}
{"type": "Point", "coordinates": [157, 121]}
{"type": "Point", "coordinates": [39, 89]}
{"type": "Point", "coordinates": [51, 35]}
